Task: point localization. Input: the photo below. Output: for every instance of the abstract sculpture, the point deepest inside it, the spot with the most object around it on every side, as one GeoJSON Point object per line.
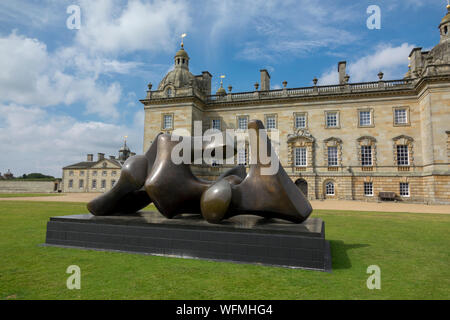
{"type": "Point", "coordinates": [174, 189]}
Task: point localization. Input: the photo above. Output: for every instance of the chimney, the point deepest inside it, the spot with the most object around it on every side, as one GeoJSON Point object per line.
{"type": "Point", "coordinates": [90, 157]}
{"type": "Point", "coordinates": [112, 157]}
{"type": "Point", "coordinates": [207, 81]}
{"type": "Point", "coordinates": [342, 72]}
{"type": "Point", "coordinates": [101, 156]}
{"type": "Point", "coordinates": [265, 80]}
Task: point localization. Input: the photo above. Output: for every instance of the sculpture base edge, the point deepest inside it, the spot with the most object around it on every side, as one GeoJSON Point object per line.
{"type": "Point", "coordinates": [241, 239]}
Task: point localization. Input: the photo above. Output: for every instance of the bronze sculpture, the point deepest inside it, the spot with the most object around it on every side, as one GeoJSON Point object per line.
{"type": "Point", "coordinates": [174, 189]}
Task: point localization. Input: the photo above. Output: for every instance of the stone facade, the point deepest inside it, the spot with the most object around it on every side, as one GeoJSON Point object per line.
{"type": "Point", "coordinates": [357, 139]}
{"type": "Point", "coordinates": [94, 176]}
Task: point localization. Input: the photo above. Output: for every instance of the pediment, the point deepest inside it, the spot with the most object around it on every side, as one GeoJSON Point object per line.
{"type": "Point", "coordinates": [106, 164]}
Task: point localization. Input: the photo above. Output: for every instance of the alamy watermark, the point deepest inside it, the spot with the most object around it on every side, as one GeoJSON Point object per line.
{"type": "Point", "coordinates": [374, 20]}
{"type": "Point", "coordinates": [74, 20]}
{"type": "Point", "coordinates": [374, 280]}
{"type": "Point", "coordinates": [74, 280]}
{"type": "Point", "coordinates": [214, 147]}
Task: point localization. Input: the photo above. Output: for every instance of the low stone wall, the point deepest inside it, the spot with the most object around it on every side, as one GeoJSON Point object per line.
{"type": "Point", "coordinates": [18, 186]}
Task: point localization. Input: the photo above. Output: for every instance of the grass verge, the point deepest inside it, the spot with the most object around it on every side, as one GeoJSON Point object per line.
{"type": "Point", "coordinates": [411, 250]}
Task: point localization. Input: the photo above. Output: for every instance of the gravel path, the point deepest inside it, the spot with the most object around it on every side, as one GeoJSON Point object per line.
{"type": "Point", "coordinates": [316, 204]}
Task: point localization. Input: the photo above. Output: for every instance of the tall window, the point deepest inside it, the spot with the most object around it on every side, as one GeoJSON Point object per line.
{"type": "Point", "coordinates": [404, 189]}
{"type": "Point", "coordinates": [70, 183]}
{"type": "Point", "coordinates": [103, 184]}
{"type": "Point", "coordinates": [242, 123]}
{"type": "Point", "coordinates": [400, 116]}
{"type": "Point", "coordinates": [300, 121]}
{"type": "Point", "coordinates": [300, 157]}
{"type": "Point", "coordinates": [81, 173]}
{"type": "Point", "coordinates": [365, 118]}
{"type": "Point", "coordinates": [94, 184]}
{"type": "Point", "coordinates": [332, 156]}
{"type": "Point", "coordinates": [81, 184]}
{"type": "Point", "coordinates": [366, 156]}
{"type": "Point", "coordinates": [104, 173]}
{"type": "Point", "coordinates": [242, 157]}
{"type": "Point", "coordinates": [368, 188]}
{"type": "Point", "coordinates": [94, 173]}
{"type": "Point", "coordinates": [271, 122]}
{"type": "Point", "coordinates": [114, 173]}
{"type": "Point", "coordinates": [332, 119]}
{"type": "Point", "coordinates": [70, 173]}
{"type": "Point", "coordinates": [402, 155]}
{"type": "Point", "coordinates": [329, 188]}
{"type": "Point", "coordinates": [113, 182]}
{"type": "Point", "coordinates": [215, 124]}
{"type": "Point", "coordinates": [168, 121]}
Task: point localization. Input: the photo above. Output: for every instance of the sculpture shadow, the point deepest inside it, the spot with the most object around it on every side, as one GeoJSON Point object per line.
{"type": "Point", "coordinates": [339, 249]}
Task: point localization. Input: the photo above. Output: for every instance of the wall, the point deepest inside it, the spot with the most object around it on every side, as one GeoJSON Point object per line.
{"type": "Point", "coordinates": [18, 186]}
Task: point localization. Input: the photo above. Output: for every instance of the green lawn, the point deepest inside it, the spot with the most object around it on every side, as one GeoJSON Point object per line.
{"type": "Point", "coordinates": [22, 195]}
{"type": "Point", "coordinates": [412, 251]}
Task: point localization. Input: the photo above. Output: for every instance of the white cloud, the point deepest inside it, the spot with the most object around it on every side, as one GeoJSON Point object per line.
{"type": "Point", "coordinates": [33, 76]}
{"type": "Point", "coordinates": [392, 61]}
{"type": "Point", "coordinates": [108, 27]}
{"type": "Point", "coordinates": [34, 140]}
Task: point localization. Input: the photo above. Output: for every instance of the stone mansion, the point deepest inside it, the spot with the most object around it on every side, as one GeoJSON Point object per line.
{"type": "Point", "coordinates": [95, 175]}
{"type": "Point", "coordinates": [349, 141]}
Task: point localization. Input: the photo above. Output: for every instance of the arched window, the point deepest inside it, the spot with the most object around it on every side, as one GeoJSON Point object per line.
{"type": "Point", "coordinates": [329, 188]}
{"type": "Point", "coordinates": [169, 92]}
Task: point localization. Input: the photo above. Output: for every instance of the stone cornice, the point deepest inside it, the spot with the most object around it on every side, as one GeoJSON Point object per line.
{"type": "Point", "coordinates": [397, 88]}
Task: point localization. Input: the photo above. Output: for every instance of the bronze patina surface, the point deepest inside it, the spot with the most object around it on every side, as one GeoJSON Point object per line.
{"type": "Point", "coordinates": [174, 189]}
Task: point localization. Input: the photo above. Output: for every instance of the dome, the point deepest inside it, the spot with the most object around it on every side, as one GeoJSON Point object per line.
{"type": "Point", "coordinates": [124, 148]}
{"type": "Point", "coordinates": [178, 77]}
{"type": "Point", "coordinates": [182, 53]}
{"type": "Point", "coordinates": [446, 19]}
{"type": "Point", "coordinates": [221, 91]}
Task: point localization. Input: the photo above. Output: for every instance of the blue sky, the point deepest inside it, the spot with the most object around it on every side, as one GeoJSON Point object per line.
{"type": "Point", "coordinates": [65, 93]}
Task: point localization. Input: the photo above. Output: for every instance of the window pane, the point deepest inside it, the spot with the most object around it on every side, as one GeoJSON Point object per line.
{"type": "Point", "coordinates": [365, 118]}
{"type": "Point", "coordinates": [242, 157]}
{"type": "Point", "coordinates": [271, 122]}
{"type": "Point", "coordinates": [402, 155]}
{"type": "Point", "coordinates": [168, 123]}
{"type": "Point", "coordinates": [332, 119]}
{"type": "Point", "coordinates": [216, 124]}
{"type": "Point", "coordinates": [300, 157]}
{"type": "Point", "coordinates": [300, 121]}
{"type": "Point", "coordinates": [368, 189]}
{"type": "Point", "coordinates": [329, 188]}
{"type": "Point", "coordinates": [332, 156]}
{"type": "Point", "coordinates": [400, 116]}
{"type": "Point", "coordinates": [366, 155]}
{"type": "Point", "coordinates": [404, 189]}
{"type": "Point", "coordinates": [242, 123]}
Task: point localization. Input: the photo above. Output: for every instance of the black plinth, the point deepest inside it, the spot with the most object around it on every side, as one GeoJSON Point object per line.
{"type": "Point", "coordinates": [247, 239]}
